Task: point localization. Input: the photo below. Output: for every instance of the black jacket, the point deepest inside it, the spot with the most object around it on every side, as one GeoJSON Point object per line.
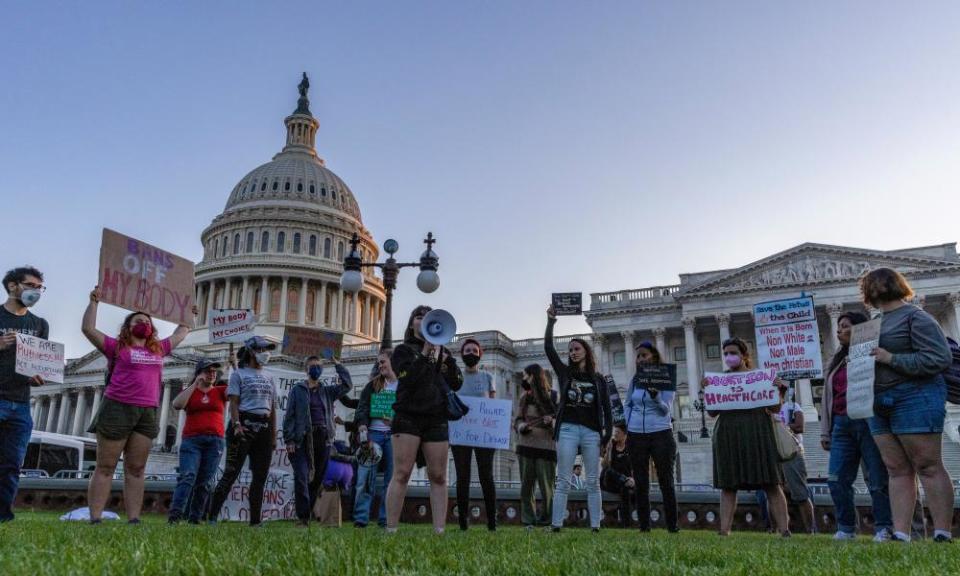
{"type": "Point", "coordinates": [422, 386]}
{"type": "Point", "coordinates": [564, 376]}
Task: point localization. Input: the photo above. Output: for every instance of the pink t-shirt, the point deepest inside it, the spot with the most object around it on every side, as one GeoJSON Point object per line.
{"type": "Point", "coordinates": [137, 373]}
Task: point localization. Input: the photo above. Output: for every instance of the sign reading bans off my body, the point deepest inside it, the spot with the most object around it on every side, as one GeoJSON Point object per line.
{"type": "Point", "coordinates": [142, 278]}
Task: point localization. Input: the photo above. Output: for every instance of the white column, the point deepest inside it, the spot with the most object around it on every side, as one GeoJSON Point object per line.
{"type": "Point", "coordinates": [302, 310]}
{"type": "Point", "coordinates": [660, 335]}
{"type": "Point", "coordinates": [54, 402]}
{"type": "Point", "coordinates": [321, 303]}
{"type": "Point", "coordinates": [37, 410]}
{"type": "Point", "coordinates": [81, 406]}
{"type": "Point", "coordinates": [64, 410]}
{"type": "Point", "coordinates": [629, 356]}
{"type": "Point", "coordinates": [264, 298]}
{"type": "Point", "coordinates": [599, 343]}
{"type": "Point", "coordinates": [357, 313]}
{"type": "Point", "coordinates": [954, 300]}
{"type": "Point", "coordinates": [834, 311]}
{"type": "Point", "coordinates": [283, 299]}
{"type": "Point", "coordinates": [164, 414]}
{"type": "Point", "coordinates": [805, 390]}
{"type": "Point", "coordinates": [210, 291]}
{"type": "Point", "coordinates": [339, 324]}
{"type": "Point", "coordinates": [723, 320]}
{"type": "Point", "coordinates": [245, 296]}
{"type": "Point", "coordinates": [693, 371]}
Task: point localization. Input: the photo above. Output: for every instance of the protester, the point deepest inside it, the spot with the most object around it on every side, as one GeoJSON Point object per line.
{"type": "Point", "coordinates": [616, 474]}
{"type": "Point", "coordinates": [477, 383]}
{"type": "Point", "coordinates": [202, 442]}
{"type": "Point", "coordinates": [126, 422]}
{"type": "Point", "coordinates": [795, 469]}
{"type": "Point", "coordinates": [308, 431]}
{"type": "Point", "coordinates": [253, 427]}
{"type": "Point", "coordinates": [585, 419]}
{"type": "Point", "coordinates": [851, 446]}
{"type": "Point", "coordinates": [425, 372]}
{"type": "Point", "coordinates": [745, 453]}
{"type": "Point", "coordinates": [576, 478]}
{"type": "Point", "coordinates": [536, 448]}
{"type": "Point", "coordinates": [337, 478]}
{"type": "Point", "coordinates": [648, 413]}
{"type": "Point", "coordinates": [375, 430]}
{"type": "Point", "coordinates": [24, 286]}
{"type": "Point", "coordinates": [909, 402]}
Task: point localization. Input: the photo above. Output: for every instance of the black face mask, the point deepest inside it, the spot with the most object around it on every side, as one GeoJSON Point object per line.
{"type": "Point", "coordinates": [471, 360]}
{"type": "Point", "coordinates": [525, 385]}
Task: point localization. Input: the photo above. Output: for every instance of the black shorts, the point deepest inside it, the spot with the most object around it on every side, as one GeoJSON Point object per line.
{"type": "Point", "coordinates": [427, 428]}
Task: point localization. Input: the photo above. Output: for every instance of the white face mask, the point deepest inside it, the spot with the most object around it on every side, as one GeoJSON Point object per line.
{"type": "Point", "coordinates": [30, 296]}
{"type": "Point", "coordinates": [262, 358]}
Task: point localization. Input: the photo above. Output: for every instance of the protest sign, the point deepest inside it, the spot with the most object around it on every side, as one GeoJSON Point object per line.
{"type": "Point", "coordinates": [487, 425]}
{"type": "Point", "coordinates": [662, 377]}
{"type": "Point", "coordinates": [38, 357]}
{"type": "Point", "coordinates": [740, 390]}
{"type": "Point", "coordinates": [231, 325]}
{"type": "Point", "coordinates": [303, 342]}
{"type": "Point", "coordinates": [616, 404]}
{"type": "Point", "coordinates": [142, 278]}
{"type": "Point", "coordinates": [861, 369]}
{"type": "Point", "coordinates": [568, 303]}
{"type": "Point", "coordinates": [381, 404]}
{"type": "Point", "coordinates": [788, 339]}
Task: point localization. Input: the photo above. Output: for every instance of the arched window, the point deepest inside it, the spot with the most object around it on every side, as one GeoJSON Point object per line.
{"type": "Point", "coordinates": [296, 243]}
{"type": "Point", "coordinates": [323, 191]}
{"type": "Point", "coordinates": [340, 251]}
{"type": "Point", "coordinates": [293, 305]}
{"type": "Point", "coordinates": [313, 189]}
{"type": "Point", "coordinates": [333, 193]}
{"type": "Point", "coordinates": [281, 240]}
{"type": "Point", "coordinates": [313, 244]}
{"type": "Point", "coordinates": [224, 245]}
{"type": "Point", "coordinates": [265, 241]}
{"type": "Point", "coordinates": [326, 247]}
{"type": "Point", "coordinates": [275, 305]}
{"type": "Point", "coordinates": [256, 301]}
{"type": "Point", "coordinates": [216, 247]}
{"type": "Point", "coordinates": [249, 242]}
{"type": "Point", "coordinates": [311, 306]}
{"type": "Point", "coordinates": [263, 185]}
{"type": "Point", "coordinates": [275, 184]}
{"type": "Point", "coordinates": [236, 244]}
{"type": "Point", "coordinates": [299, 186]}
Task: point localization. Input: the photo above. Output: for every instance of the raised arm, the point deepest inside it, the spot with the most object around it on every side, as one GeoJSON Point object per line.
{"type": "Point", "coordinates": [180, 401]}
{"type": "Point", "coordinates": [344, 386]}
{"type": "Point", "coordinates": [89, 325]}
{"type": "Point", "coordinates": [548, 347]}
{"type": "Point", "coordinates": [182, 330]}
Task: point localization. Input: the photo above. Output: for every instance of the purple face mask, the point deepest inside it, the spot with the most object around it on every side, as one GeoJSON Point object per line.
{"type": "Point", "coordinates": [731, 360]}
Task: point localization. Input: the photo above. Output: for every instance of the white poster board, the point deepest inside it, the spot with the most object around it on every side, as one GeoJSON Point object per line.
{"type": "Point", "coordinates": [487, 425]}
{"type": "Point", "coordinates": [788, 339]}
{"type": "Point", "coordinates": [38, 357]}
{"type": "Point", "coordinates": [231, 325]}
{"type": "Point", "coordinates": [861, 369]}
{"type": "Point", "coordinates": [740, 390]}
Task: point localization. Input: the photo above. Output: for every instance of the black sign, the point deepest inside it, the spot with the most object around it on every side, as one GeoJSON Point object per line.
{"type": "Point", "coordinates": [616, 405]}
{"type": "Point", "coordinates": [568, 303]}
{"type": "Point", "coordinates": [659, 376]}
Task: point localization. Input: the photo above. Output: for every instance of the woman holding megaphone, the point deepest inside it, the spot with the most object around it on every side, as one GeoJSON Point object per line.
{"type": "Point", "coordinates": [425, 371]}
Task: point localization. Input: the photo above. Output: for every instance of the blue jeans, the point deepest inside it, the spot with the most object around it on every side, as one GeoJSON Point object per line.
{"type": "Point", "coordinates": [305, 490]}
{"type": "Point", "coordinates": [851, 441]}
{"type": "Point", "coordinates": [572, 437]}
{"type": "Point", "coordinates": [367, 485]}
{"type": "Point", "coordinates": [15, 426]}
{"type": "Point", "coordinates": [199, 458]}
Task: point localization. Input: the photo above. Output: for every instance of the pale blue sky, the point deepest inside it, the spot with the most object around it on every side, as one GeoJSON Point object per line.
{"type": "Point", "coordinates": [550, 146]}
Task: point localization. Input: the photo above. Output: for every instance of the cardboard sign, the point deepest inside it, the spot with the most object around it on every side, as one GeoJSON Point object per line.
{"type": "Point", "coordinates": [38, 357]}
{"type": "Point", "coordinates": [231, 325]}
{"type": "Point", "coordinates": [740, 390]}
{"type": "Point", "coordinates": [487, 425]}
{"type": "Point", "coordinates": [303, 342]}
{"type": "Point", "coordinates": [788, 339]}
{"type": "Point", "coordinates": [661, 377]}
{"type": "Point", "coordinates": [381, 404]}
{"type": "Point", "coordinates": [616, 404]}
{"type": "Point", "coordinates": [568, 303]}
{"type": "Point", "coordinates": [861, 369]}
{"type": "Point", "coordinates": [142, 278]}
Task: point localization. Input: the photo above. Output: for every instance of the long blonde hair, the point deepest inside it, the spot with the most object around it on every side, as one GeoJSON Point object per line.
{"type": "Point", "coordinates": [379, 381]}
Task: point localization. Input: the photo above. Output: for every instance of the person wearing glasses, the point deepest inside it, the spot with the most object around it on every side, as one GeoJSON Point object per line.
{"type": "Point", "coordinates": [24, 286]}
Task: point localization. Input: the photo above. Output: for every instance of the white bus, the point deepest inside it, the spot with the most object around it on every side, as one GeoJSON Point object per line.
{"type": "Point", "coordinates": [51, 453]}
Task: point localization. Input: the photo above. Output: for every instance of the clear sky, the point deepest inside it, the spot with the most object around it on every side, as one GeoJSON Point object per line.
{"type": "Point", "coordinates": [550, 146]}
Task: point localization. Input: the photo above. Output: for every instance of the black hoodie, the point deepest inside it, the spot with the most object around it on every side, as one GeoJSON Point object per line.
{"type": "Point", "coordinates": [422, 386]}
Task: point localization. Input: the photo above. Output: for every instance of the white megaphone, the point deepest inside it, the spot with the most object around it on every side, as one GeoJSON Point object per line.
{"type": "Point", "coordinates": [438, 327]}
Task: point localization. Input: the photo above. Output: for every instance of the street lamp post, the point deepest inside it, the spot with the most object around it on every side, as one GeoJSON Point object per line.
{"type": "Point", "coordinates": [427, 281]}
{"type": "Point", "coordinates": [702, 408]}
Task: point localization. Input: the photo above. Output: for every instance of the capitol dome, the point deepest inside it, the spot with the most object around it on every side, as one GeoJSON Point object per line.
{"type": "Point", "coordinates": [279, 244]}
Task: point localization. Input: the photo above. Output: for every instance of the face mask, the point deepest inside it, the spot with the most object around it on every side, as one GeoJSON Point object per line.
{"type": "Point", "coordinates": [262, 358]}
{"type": "Point", "coordinates": [471, 360]}
{"type": "Point", "coordinates": [731, 360]}
{"type": "Point", "coordinates": [29, 297]}
{"type": "Point", "coordinates": [142, 330]}
{"type": "Point", "coordinates": [525, 385]}
{"type": "Point", "coordinates": [315, 372]}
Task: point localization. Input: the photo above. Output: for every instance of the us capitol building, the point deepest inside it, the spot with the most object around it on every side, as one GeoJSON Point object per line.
{"type": "Point", "coordinates": [278, 248]}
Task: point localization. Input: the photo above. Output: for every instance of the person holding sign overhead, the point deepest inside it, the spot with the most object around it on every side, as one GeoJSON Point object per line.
{"type": "Point", "coordinates": [909, 402]}
{"type": "Point", "coordinates": [373, 418]}
{"type": "Point", "coordinates": [585, 422]}
{"type": "Point", "coordinates": [745, 455]}
{"type": "Point", "coordinates": [127, 420]}
{"type": "Point", "coordinates": [24, 286]}
{"type": "Point", "coordinates": [650, 436]}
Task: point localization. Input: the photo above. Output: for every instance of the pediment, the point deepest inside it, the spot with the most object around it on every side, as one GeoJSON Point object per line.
{"type": "Point", "coordinates": [814, 265]}
{"type": "Point", "coordinates": [89, 362]}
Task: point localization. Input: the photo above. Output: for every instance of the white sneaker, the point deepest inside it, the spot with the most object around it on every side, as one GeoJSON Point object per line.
{"type": "Point", "coordinates": [841, 535]}
{"type": "Point", "coordinates": [882, 535]}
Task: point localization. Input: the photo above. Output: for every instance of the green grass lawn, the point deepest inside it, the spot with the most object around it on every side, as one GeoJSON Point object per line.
{"type": "Point", "coordinates": [38, 544]}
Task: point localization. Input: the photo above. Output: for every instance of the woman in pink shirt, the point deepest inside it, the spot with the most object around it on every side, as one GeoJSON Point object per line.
{"type": "Point", "coordinates": [127, 420]}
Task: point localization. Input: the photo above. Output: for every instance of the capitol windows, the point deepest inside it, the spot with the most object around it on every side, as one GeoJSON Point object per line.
{"type": "Point", "coordinates": [249, 242]}
{"type": "Point", "coordinates": [263, 186]}
{"type": "Point", "coordinates": [333, 193]}
{"type": "Point", "coordinates": [313, 244]}
{"type": "Point", "coordinates": [236, 244]}
{"type": "Point", "coordinates": [311, 306]}
{"type": "Point", "coordinates": [713, 351]}
{"type": "Point", "coordinates": [256, 301]}
{"type": "Point", "coordinates": [679, 354]}
{"type": "Point", "coordinates": [224, 253]}
{"type": "Point", "coordinates": [275, 185]}
{"type": "Point", "coordinates": [275, 305]}
{"type": "Point", "coordinates": [299, 186]}
{"type": "Point", "coordinates": [216, 247]}
{"type": "Point", "coordinates": [340, 250]}
{"type": "Point", "coordinates": [313, 189]}
{"type": "Point", "coordinates": [323, 191]}
{"type": "Point", "coordinates": [619, 358]}
{"type": "Point", "coordinates": [286, 186]}
{"type": "Point", "coordinates": [326, 247]}
{"type": "Point", "coordinates": [296, 243]}
{"type": "Point", "coordinates": [293, 305]}
{"type": "Point", "coordinates": [281, 240]}
{"type": "Point", "coordinates": [265, 242]}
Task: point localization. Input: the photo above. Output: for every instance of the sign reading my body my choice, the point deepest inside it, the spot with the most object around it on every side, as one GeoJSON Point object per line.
{"type": "Point", "coordinates": [788, 339]}
{"type": "Point", "coordinates": [142, 278]}
{"type": "Point", "coordinates": [231, 325]}
{"type": "Point", "coordinates": [740, 390]}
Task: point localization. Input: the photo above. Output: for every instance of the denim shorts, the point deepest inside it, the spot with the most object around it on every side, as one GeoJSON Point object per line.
{"type": "Point", "coordinates": [915, 407]}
